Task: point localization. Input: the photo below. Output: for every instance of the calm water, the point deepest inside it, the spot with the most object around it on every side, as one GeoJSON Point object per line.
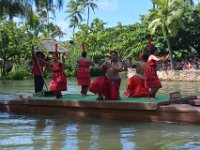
{"type": "Point", "coordinates": [53, 132]}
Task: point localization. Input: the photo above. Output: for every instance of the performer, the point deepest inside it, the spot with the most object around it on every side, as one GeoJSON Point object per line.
{"type": "Point", "coordinates": [37, 70]}
{"type": "Point", "coordinates": [135, 84]}
{"type": "Point", "coordinates": [83, 72]}
{"type": "Point", "coordinates": [150, 74]}
{"type": "Point", "coordinates": [107, 86]}
{"type": "Point", "coordinates": [59, 80]}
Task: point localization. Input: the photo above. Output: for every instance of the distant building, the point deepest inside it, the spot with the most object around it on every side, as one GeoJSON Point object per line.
{"type": "Point", "coordinates": [49, 46]}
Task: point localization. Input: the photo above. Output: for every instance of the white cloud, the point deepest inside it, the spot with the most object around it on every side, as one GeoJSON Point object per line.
{"type": "Point", "coordinates": [108, 5]}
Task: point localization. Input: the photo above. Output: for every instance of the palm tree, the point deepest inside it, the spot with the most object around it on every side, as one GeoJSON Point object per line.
{"type": "Point", "coordinates": [154, 6]}
{"type": "Point", "coordinates": [48, 3]}
{"type": "Point", "coordinates": [88, 4]}
{"type": "Point", "coordinates": [167, 17]}
{"type": "Point", "coordinates": [57, 32]}
{"type": "Point", "coordinates": [43, 12]}
{"type": "Point", "coordinates": [191, 2]}
{"type": "Point", "coordinates": [14, 8]}
{"type": "Point", "coordinates": [44, 7]}
{"type": "Point", "coordinates": [75, 11]}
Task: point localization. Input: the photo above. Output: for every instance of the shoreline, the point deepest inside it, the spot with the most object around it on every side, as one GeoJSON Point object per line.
{"type": "Point", "coordinates": [174, 75]}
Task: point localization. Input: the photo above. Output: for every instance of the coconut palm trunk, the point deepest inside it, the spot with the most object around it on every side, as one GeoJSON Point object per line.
{"type": "Point", "coordinates": [74, 25]}
{"type": "Point", "coordinates": [88, 17]}
{"type": "Point", "coordinates": [170, 51]}
{"type": "Point", "coordinates": [154, 6]}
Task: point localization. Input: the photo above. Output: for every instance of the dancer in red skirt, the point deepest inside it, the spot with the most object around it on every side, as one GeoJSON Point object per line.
{"type": "Point", "coordinates": [135, 85]}
{"type": "Point", "coordinates": [83, 72]}
{"type": "Point", "coordinates": [150, 74]}
{"type": "Point", "coordinates": [59, 81]}
{"type": "Point", "coordinates": [107, 86]}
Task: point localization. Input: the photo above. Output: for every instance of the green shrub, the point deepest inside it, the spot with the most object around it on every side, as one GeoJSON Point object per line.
{"type": "Point", "coordinates": [21, 72]}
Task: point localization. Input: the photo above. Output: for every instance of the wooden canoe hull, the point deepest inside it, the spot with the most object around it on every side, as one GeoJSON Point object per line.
{"type": "Point", "coordinates": [182, 113]}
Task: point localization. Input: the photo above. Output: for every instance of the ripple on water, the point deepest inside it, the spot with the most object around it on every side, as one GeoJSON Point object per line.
{"type": "Point", "coordinates": [8, 96]}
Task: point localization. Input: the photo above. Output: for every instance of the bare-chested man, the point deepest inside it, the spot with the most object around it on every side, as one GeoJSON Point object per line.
{"type": "Point", "coordinates": [107, 86]}
{"type": "Point", "coordinates": [135, 85]}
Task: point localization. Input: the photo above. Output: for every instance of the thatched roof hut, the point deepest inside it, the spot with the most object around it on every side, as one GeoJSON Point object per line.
{"type": "Point", "coordinates": [48, 44]}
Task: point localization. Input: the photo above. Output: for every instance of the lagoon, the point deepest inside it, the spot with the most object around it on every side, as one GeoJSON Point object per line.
{"type": "Point", "coordinates": [49, 132]}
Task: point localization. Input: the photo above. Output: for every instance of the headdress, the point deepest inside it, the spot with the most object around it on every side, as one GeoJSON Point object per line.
{"type": "Point", "coordinates": [83, 47]}
{"type": "Point", "coordinates": [141, 55]}
{"type": "Point", "coordinates": [56, 48]}
{"type": "Point", "coordinates": [56, 52]}
{"type": "Point", "coordinates": [149, 44]}
{"type": "Point", "coordinates": [110, 51]}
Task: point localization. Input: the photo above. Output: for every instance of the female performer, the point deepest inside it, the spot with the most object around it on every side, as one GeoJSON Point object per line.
{"type": "Point", "coordinates": [59, 81]}
{"type": "Point", "coordinates": [150, 73]}
{"type": "Point", "coordinates": [83, 72]}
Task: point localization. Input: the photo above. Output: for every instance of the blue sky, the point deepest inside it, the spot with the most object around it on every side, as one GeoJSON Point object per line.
{"type": "Point", "coordinates": [110, 11]}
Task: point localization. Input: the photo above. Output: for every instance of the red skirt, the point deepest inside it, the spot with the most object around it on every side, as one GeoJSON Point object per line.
{"type": "Point", "coordinates": [59, 82]}
{"type": "Point", "coordinates": [151, 79]}
{"type": "Point", "coordinates": [83, 76]}
{"type": "Point", "coordinates": [83, 73]}
{"type": "Point", "coordinates": [108, 88]}
{"type": "Point", "coordinates": [136, 88]}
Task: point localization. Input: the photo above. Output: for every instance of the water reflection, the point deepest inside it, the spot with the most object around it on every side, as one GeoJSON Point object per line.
{"type": "Point", "coordinates": [127, 134]}
{"type": "Point", "coordinates": [12, 89]}
{"type": "Point", "coordinates": [46, 132]}
{"type": "Point", "coordinates": [73, 133]}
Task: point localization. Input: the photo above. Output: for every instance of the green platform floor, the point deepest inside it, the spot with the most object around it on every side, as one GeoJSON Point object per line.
{"type": "Point", "coordinates": [91, 98]}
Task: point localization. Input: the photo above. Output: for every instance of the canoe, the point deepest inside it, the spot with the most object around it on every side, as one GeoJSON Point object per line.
{"type": "Point", "coordinates": [183, 110]}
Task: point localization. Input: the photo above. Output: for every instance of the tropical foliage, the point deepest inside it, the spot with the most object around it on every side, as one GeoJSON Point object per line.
{"type": "Point", "coordinates": [167, 18]}
{"type": "Point", "coordinates": [172, 24]}
{"type": "Point", "coordinates": [75, 11]}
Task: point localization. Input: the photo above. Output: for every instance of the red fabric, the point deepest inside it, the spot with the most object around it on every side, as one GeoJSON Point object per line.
{"type": "Point", "coordinates": [149, 44]}
{"type": "Point", "coordinates": [36, 70]}
{"type": "Point", "coordinates": [110, 51]}
{"type": "Point", "coordinates": [150, 75]}
{"type": "Point", "coordinates": [83, 73]}
{"type": "Point", "coordinates": [141, 55]}
{"type": "Point", "coordinates": [56, 48]}
{"type": "Point", "coordinates": [136, 88]}
{"type": "Point", "coordinates": [59, 81]}
{"type": "Point", "coordinates": [189, 67]}
{"type": "Point", "coordinates": [108, 88]}
{"type": "Point", "coordinates": [55, 59]}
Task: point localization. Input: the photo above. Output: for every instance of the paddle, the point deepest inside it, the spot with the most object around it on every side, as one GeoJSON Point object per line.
{"type": "Point", "coordinates": [47, 92]}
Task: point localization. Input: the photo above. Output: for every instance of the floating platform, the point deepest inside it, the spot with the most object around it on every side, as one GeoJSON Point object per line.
{"type": "Point", "coordinates": [184, 110]}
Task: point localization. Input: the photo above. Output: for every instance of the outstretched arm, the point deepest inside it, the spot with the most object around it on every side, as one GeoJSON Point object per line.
{"type": "Point", "coordinates": [104, 66]}
{"type": "Point", "coordinates": [159, 59]}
